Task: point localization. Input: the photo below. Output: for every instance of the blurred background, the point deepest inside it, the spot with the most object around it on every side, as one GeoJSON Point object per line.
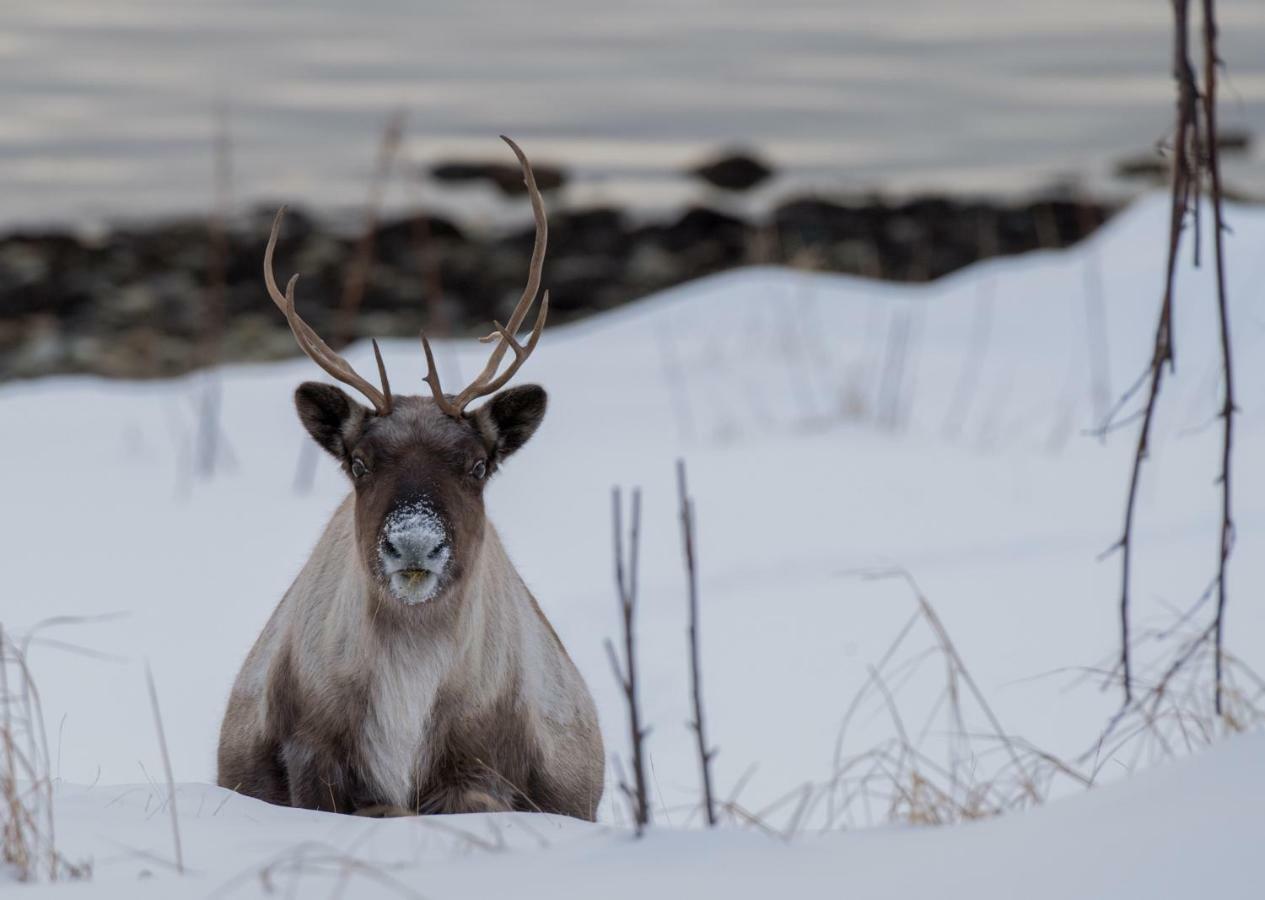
{"type": "Point", "coordinates": [146, 144]}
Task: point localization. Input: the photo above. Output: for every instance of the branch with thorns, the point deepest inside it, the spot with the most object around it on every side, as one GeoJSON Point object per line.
{"type": "Point", "coordinates": [705, 752]}
{"type": "Point", "coordinates": [1194, 157]}
{"type": "Point", "coordinates": [626, 673]}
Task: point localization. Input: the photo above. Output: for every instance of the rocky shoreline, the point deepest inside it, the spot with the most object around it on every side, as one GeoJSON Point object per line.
{"type": "Point", "coordinates": [166, 298]}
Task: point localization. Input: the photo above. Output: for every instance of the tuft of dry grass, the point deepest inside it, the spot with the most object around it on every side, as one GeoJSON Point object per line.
{"type": "Point", "coordinates": [28, 844]}
{"type": "Point", "coordinates": [961, 764]}
{"type": "Point", "coordinates": [1169, 714]}
{"type": "Point", "coordinates": [955, 761]}
{"type": "Point", "coordinates": [310, 863]}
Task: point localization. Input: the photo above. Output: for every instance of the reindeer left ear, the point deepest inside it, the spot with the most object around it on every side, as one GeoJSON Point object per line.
{"type": "Point", "coordinates": [510, 418]}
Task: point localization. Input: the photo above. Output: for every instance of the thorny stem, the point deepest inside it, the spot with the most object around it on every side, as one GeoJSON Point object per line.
{"type": "Point", "coordinates": [698, 726]}
{"type": "Point", "coordinates": [1227, 408]}
{"type": "Point", "coordinates": [626, 584]}
{"type": "Point", "coordinates": [1185, 144]}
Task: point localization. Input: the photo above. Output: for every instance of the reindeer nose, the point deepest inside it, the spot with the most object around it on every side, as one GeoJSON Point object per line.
{"type": "Point", "coordinates": [416, 548]}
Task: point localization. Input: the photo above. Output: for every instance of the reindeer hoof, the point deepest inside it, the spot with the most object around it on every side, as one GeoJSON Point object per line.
{"type": "Point", "coordinates": [383, 811]}
{"type": "Point", "coordinates": [476, 801]}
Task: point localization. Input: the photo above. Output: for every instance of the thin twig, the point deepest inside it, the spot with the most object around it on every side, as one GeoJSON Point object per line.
{"type": "Point", "coordinates": [1186, 157]}
{"type": "Point", "coordinates": [211, 343]}
{"type": "Point", "coordinates": [171, 784]}
{"type": "Point", "coordinates": [357, 277]}
{"type": "Point", "coordinates": [698, 724]}
{"type": "Point", "coordinates": [626, 675]}
{"type": "Point", "coordinates": [1213, 165]}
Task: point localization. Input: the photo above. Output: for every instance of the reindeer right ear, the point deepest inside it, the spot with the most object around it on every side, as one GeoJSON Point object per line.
{"type": "Point", "coordinates": [326, 412]}
{"type": "Point", "coordinates": [509, 419]}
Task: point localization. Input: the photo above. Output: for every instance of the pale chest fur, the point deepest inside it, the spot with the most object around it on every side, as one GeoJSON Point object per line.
{"type": "Point", "coordinates": [402, 691]}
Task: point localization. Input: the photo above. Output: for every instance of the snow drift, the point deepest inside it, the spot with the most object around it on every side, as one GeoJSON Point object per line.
{"type": "Point", "coordinates": [831, 425]}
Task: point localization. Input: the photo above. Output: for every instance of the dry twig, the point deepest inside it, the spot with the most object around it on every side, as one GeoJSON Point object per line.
{"type": "Point", "coordinates": [1227, 368]}
{"type": "Point", "coordinates": [209, 346]}
{"type": "Point", "coordinates": [1185, 187]}
{"type": "Point", "coordinates": [28, 842]}
{"type": "Point", "coordinates": [967, 773]}
{"type": "Point", "coordinates": [697, 724]}
{"type": "Point", "coordinates": [356, 278]}
{"type": "Point", "coordinates": [171, 784]}
{"type": "Point", "coordinates": [626, 674]}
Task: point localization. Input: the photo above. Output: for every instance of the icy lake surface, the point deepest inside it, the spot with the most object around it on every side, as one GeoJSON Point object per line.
{"type": "Point", "coordinates": [110, 107]}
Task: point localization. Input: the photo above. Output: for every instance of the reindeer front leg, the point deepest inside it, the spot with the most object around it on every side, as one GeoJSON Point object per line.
{"type": "Point", "coordinates": [318, 780]}
{"type": "Point", "coordinates": [465, 797]}
{"type": "Point", "coordinates": [383, 811]}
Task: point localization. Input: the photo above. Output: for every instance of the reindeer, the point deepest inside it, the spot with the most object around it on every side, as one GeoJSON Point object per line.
{"type": "Point", "coordinates": [408, 669]}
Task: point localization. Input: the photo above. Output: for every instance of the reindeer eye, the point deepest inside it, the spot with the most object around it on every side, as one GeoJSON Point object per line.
{"type": "Point", "coordinates": [358, 469]}
{"type": "Point", "coordinates": [478, 470]}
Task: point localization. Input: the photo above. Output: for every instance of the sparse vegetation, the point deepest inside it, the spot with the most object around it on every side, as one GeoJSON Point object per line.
{"type": "Point", "coordinates": [28, 835]}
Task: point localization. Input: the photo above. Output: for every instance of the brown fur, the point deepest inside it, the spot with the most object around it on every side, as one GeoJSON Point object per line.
{"type": "Point", "coordinates": [324, 712]}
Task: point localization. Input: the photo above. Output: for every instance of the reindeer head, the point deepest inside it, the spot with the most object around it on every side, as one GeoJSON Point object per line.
{"type": "Point", "coordinates": [418, 465]}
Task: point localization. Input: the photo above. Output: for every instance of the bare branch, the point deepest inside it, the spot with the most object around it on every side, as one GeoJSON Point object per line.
{"type": "Point", "coordinates": [356, 279]}
{"type": "Point", "coordinates": [171, 784]}
{"type": "Point", "coordinates": [1213, 165]}
{"type": "Point", "coordinates": [705, 753]}
{"type": "Point", "coordinates": [626, 585]}
{"type": "Point", "coordinates": [1186, 156]}
{"type": "Point", "coordinates": [210, 344]}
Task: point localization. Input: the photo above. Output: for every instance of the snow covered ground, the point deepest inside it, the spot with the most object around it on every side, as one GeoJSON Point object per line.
{"type": "Point", "coordinates": [1182, 831]}
{"type": "Point", "coordinates": [815, 454]}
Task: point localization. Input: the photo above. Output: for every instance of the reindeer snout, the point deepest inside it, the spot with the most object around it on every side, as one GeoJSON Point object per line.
{"type": "Point", "coordinates": [415, 548]}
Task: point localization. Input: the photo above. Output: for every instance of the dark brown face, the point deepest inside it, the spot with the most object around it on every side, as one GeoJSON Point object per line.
{"type": "Point", "coordinates": [419, 476]}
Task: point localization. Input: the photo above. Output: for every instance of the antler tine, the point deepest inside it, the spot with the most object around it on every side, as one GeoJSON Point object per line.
{"type": "Point", "coordinates": [320, 353]}
{"type": "Point", "coordinates": [311, 343]}
{"type": "Point", "coordinates": [520, 352]}
{"type": "Point", "coordinates": [488, 380]}
{"type": "Point", "coordinates": [382, 374]}
{"type": "Point", "coordinates": [539, 246]}
{"type": "Point", "coordinates": [432, 379]}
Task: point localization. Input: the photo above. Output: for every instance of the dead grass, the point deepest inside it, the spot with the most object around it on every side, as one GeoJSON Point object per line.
{"type": "Point", "coordinates": [1170, 714]}
{"type": "Point", "coordinates": [955, 761]}
{"type": "Point", "coordinates": [300, 869]}
{"type": "Point", "coordinates": [28, 836]}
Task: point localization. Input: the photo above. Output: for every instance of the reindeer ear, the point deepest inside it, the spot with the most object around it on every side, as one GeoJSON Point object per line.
{"type": "Point", "coordinates": [326, 412]}
{"type": "Point", "coordinates": [510, 418]}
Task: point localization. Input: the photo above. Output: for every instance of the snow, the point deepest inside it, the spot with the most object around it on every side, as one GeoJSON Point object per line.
{"type": "Point", "coordinates": [1178, 831]}
{"type": "Point", "coordinates": [813, 458]}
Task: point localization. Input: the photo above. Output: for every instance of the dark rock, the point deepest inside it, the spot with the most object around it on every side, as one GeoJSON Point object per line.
{"type": "Point", "coordinates": [456, 172]}
{"type": "Point", "coordinates": [588, 231]}
{"type": "Point", "coordinates": [700, 242]}
{"type": "Point", "coordinates": [412, 229]}
{"type": "Point", "coordinates": [508, 179]}
{"type": "Point", "coordinates": [136, 303]}
{"type": "Point", "coordinates": [1234, 141]}
{"type": "Point", "coordinates": [701, 225]}
{"type": "Point", "coordinates": [736, 171]}
{"type": "Point", "coordinates": [1148, 166]}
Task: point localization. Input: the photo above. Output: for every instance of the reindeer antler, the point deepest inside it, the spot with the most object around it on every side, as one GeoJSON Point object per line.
{"type": "Point", "coordinates": [310, 342]}
{"type": "Point", "coordinates": [488, 382]}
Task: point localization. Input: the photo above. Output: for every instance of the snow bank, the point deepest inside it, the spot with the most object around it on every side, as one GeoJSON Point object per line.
{"type": "Point", "coordinates": [813, 453]}
{"type": "Point", "coordinates": [1179, 831]}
